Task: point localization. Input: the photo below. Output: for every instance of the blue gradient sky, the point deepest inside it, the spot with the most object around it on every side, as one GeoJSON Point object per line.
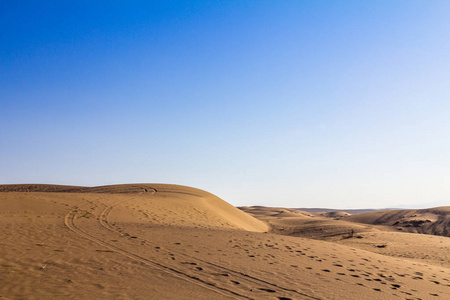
{"type": "Point", "coordinates": [342, 104]}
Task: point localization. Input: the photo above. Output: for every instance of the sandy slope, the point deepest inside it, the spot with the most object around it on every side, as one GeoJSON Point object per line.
{"type": "Point", "coordinates": [173, 242]}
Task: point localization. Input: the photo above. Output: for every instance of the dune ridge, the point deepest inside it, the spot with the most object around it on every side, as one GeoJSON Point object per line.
{"type": "Point", "coordinates": [55, 188]}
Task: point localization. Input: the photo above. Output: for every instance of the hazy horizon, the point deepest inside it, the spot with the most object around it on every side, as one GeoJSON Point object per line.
{"type": "Point", "coordinates": [290, 104]}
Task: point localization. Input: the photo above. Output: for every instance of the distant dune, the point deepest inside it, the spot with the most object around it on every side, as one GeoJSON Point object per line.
{"type": "Point", "coordinates": [330, 210]}
{"type": "Point", "coordinates": [160, 241]}
{"type": "Point", "coordinates": [428, 221]}
{"type": "Point", "coordinates": [298, 223]}
{"type": "Point", "coordinates": [335, 214]}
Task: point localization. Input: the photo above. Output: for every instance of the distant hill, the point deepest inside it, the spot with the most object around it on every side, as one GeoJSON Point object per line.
{"type": "Point", "coordinates": [327, 210]}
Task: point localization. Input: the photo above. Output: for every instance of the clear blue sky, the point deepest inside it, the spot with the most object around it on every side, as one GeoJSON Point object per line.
{"type": "Point", "coordinates": [341, 104]}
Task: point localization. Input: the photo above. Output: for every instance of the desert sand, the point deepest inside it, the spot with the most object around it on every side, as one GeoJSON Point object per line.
{"type": "Point", "coordinates": [159, 241]}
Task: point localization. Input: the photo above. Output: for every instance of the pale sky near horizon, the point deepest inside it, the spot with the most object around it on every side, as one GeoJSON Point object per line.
{"type": "Point", "coordinates": [340, 104]}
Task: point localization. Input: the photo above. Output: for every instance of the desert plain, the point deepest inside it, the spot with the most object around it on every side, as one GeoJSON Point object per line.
{"type": "Point", "coordinates": [161, 241]}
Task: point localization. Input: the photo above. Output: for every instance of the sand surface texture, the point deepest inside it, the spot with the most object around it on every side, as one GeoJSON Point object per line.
{"type": "Point", "coordinates": [158, 241]}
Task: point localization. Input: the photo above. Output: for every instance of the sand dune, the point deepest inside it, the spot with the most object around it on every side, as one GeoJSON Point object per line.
{"type": "Point", "coordinates": [303, 224]}
{"type": "Point", "coordinates": [171, 242]}
{"type": "Point", "coordinates": [349, 211]}
{"type": "Point", "coordinates": [169, 205]}
{"type": "Point", "coordinates": [434, 221]}
{"type": "Point", "coordinates": [335, 214]}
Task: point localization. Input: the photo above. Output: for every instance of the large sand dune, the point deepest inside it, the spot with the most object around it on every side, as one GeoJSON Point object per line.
{"type": "Point", "coordinates": [157, 241]}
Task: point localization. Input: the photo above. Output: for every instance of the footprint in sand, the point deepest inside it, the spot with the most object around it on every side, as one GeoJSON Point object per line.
{"type": "Point", "coordinates": [267, 290]}
{"type": "Point", "coordinates": [406, 293]}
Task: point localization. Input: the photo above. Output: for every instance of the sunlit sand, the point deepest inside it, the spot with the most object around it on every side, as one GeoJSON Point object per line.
{"type": "Point", "coordinates": [157, 241]}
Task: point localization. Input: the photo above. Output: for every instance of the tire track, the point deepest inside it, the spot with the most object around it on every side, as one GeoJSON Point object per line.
{"type": "Point", "coordinates": [69, 222]}
{"type": "Point", "coordinates": [103, 219]}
